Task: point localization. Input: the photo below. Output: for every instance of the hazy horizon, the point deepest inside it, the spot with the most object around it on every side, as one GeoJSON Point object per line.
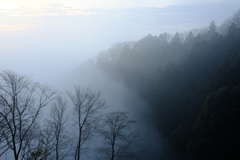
{"type": "Point", "coordinates": [46, 39]}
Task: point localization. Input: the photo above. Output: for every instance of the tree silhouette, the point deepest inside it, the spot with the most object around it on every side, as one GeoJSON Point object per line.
{"type": "Point", "coordinates": [86, 107]}
{"type": "Point", "coordinates": [21, 102]}
{"type": "Point", "coordinates": [118, 139]}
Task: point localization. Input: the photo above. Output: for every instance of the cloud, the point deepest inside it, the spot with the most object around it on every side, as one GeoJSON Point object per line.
{"type": "Point", "coordinates": [167, 3]}
{"type": "Point", "coordinates": [7, 27]}
{"type": "Point", "coordinates": [59, 16]}
{"type": "Point", "coordinates": [113, 4]}
{"type": "Point", "coordinates": [51, 9]}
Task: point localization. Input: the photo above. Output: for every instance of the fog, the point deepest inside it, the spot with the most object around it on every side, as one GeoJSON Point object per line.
{"type": "Point", "coordinates": [46, 46]}
{"type": "Point", "coordinates": [60, 49]}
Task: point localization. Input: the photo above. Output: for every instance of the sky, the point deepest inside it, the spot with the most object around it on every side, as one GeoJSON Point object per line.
{"type": "Point", "coordinates": [47, 38]}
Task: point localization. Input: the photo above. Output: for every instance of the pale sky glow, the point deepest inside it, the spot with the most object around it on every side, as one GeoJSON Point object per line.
{"type": "Point", "coordinates": [81, 7]}
{"type": "Point", "coordinates": [58, 35]}
{"type": "Point", "coordinates": [8, 5]}
{"type": "Point", "coordinates": [74, 7]}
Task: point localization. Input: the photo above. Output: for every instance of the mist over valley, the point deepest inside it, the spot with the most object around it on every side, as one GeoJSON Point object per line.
{"type": "Point", "coordinates": [120, 83]}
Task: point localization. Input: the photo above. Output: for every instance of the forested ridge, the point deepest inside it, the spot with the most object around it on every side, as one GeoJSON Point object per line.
{"type": "Point", "coordinates": [183, 87]}
{"type": "Point", "coordinates": [191, 85]}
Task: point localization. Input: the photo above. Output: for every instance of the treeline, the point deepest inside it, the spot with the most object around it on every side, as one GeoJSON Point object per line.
{"type": "Point", "coordinates": [192, 87]}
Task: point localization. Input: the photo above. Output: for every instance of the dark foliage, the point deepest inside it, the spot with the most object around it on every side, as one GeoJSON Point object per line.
{"type": "Point", "coordinates": [191, 86]}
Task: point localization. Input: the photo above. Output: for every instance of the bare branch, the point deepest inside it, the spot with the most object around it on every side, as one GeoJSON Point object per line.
{"type": "Point", "coordinates": [21, 101]}
{"type": "Point", "coordinates": [118, 139]}
{"type": "Point", "coordinates": [86, 107]}
{"type": "Point", "coordinates": [56, 135]}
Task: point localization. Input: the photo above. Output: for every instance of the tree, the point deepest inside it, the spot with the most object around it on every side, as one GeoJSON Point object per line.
{"type": "Point", "coordinates": [21, 103]}
{"type": "Point", "coordinates": [212, 27]}
{"type": "Point", "coordinates": [176, 40]}
{"type": "Point", "coordinates": [164, 38]}
{"type": "Point", "coordinates": [86, 107]}
{"type": "Point", "coordinates": [55, 137]}
{"type": "Point", "coordinates": [189, 37]}
{"type": "Point", "coordinates": [217, 128]}
{"type": "Point", "coordinates": [119, 141]}
{"type": "Point", "coordinates": [236, 18]}
{"type": "Point", "coordinates": [41, 152]}
{"type": "Point", "coordinates": [108, 59]}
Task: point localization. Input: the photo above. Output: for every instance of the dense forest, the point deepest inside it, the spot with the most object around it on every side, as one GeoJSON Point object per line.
{"type": "Point", "coordinates": [190, 83]}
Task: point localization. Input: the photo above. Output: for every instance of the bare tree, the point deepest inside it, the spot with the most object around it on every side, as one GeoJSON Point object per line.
{"type": "Point", "coordinates": [119, 140]}
{"type": "Point", "coordinates": [86, 107]}
{"type": "Point", "coordinates": [55, 136]}
{"type": "Point", "coordinates": [21, 102]}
